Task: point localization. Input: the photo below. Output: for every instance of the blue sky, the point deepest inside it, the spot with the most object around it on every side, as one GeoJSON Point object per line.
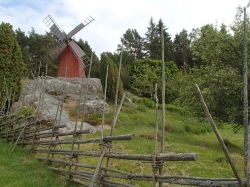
{"type": "Point", "coordinates": [114, 17]}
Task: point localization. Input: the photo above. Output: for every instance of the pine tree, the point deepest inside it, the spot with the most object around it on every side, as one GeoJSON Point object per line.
{"type": "Point", "coordinates": [12, 67]}
{"type": "Point", "coordinates": [95, 69]}
{"type": "Point", "coordinates": [152, 44]}
{"type": "Point", "coordinates": [112, 77]}
{"type": "Point", "coordinates": [183, 57]}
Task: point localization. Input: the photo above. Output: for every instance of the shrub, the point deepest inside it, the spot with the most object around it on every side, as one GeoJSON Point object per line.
{"type": "Point", "coordinates": [26, 111]}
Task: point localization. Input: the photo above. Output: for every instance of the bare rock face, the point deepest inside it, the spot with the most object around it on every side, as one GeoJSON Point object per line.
{"type": "Point", "coordinates": [94, 106]}
{"type": "Point", "coordinates": [49, 95]}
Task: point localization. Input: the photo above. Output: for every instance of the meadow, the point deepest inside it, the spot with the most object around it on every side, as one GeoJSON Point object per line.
{"type": "Point", "coordinates": [183, 134]}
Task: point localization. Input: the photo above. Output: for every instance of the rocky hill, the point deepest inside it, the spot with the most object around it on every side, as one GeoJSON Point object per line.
{"type": "Point", "coordinates": [49, 97]}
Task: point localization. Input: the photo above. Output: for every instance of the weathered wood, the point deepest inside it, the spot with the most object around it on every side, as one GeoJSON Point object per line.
{"type": "Point", "coordinates": [18, 138]}
{"type": "Point", "coordinates": [245, 103]}
{"type": "Point", "coordinates": [47, 135]}
{"type": "Point", "coordinates": [84, 165]}
{"type": "Point", "coordinates": [104, 100]}
{"type": "Point", "coordinates": [125, 156]}
{"type": "Point", "coordinates": [222, 144]}
{"type": "Point", "coordinates": [94, 178]}
{"type": "Point", "coordinates": [194, 181]}
{"type": "Point", "coordinates": [114, 184]}
{"type": "Point", "coordinates": [30, 129]}
{"type": "Point", "coordinates": [154, 169]}
{"type": "Point", "coordinates": [88, 176]}
{"type": "Point", "coordinates": [163, 79]}
{"type": "Point", "coordinates": [92, 140]}
{"type": "Point", "coordinates": [19, 120]}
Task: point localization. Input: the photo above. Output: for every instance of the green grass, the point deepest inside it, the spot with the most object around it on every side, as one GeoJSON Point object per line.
{"type": "Point", "coordinates": [22, 169]}
{"type": "Point", "coordinates": [183, 134]}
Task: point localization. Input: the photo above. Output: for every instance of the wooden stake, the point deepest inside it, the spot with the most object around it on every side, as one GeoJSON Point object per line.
{"type": "Point", "coordinates": [163, 101]}
{"type": "Point", "coordinates": [222, 144]}
{"type": "Point", "coordinates": [154, 167]}
{"type": "Point", "coordinates": [245, 104]}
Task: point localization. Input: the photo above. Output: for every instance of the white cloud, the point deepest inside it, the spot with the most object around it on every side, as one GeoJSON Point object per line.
{"type": "Point", "coordinates": [114, 17]}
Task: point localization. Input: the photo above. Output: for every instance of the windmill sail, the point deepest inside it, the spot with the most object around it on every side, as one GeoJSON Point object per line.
{"type": "Point", "coordinates": [80, 26]}
{"type": "Point", "coordinates": [51, 24]}
{"type": "Point", "coordinates": [75, 30]}
{"type": "Point", "coordinates": [75, 47]}
{"type": "Point", "coordinates": [56, 32]}
{"type": "Point", "coordinates": [57, 50]}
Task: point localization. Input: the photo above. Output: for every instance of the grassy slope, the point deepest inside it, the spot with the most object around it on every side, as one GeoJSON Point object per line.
{"type": "Point", "coordinates": [184, 135]}
{"type": "Point", "coordinates": [21, 169]}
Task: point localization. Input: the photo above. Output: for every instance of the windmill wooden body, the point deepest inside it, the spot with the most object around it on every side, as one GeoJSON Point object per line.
{"type": "Point", "coordinates": [72, 56]}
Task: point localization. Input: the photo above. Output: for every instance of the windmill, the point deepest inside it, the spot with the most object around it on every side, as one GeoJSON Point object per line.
{"type": "Point", "coordinates": [72, 57]}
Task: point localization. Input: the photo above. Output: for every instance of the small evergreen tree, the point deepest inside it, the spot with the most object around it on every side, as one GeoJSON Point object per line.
{"type": "Point", "coordinates": [12, 67]}
{"type": "Point", "coordinates": [112, 77]}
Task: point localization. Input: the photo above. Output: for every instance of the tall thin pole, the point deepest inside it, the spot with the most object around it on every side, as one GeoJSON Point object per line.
{"type": "Point", "coordinates": [245, 104]}
{"type": "Point", "coordinates": [155, 138]}
{"type": "Point", "coordinates": [116, 92]}
{"type": "Point", "coordinates": [163, 101]}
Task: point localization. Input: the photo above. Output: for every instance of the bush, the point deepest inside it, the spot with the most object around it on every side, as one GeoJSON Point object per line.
{"type": "Point", "coordinates": [26, 111]}
{"type": "Point", "coordinates": [144, 101]}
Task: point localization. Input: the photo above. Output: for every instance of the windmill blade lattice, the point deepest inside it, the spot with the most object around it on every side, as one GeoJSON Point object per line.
{"type": "Point", "coordinates": [75, 47]}
{"type": "Point", "coordinates": [54, 53]}
{"type": "Point", "coordinates": [79, 54]}
{"type": "Point", "coordinates": [80, 26]}
{"type": "Point", "coordinates": [52, 25]}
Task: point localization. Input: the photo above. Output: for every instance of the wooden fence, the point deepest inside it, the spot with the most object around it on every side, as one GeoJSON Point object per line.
{"type": "Point", "coordinates": [65, 153]}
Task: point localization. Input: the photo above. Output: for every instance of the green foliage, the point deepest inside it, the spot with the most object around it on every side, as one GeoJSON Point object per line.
{"type": "Point", "coordinates": [26, 111]}
{"type": "Point", "coordinates": [183, 53]}
{"type": "Point", "coordinates": [95, 69]}
{"type": "Point", "coordinates": [144, 74]}
{"type": "Point", "coordinates": [12, 67]}
{"type": "Point", "coordinates": [144, 101]}
{"type": "Point", "coordinates": [133, 44]}
{"type": "Point", "coordinates": [152, 44]}
{"type": "Point", "coordinates": [112, 77]}
{"type": "Point", "coordinates": [174, 108]}
{"type": "Point", "coordinates": [221, 89]}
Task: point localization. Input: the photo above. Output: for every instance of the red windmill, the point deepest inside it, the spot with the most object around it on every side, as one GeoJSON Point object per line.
{"type": "Point", "coordinates": [72, 56]}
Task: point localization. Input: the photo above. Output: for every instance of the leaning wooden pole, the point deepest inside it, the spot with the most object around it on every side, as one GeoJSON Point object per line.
{"type": "Point", "coordinates": [116, 92]}
{"type": "Point", "coordinates": [222, 144]}
{"type": "Point", "coordinates": [245, 104]}
{"type": "Point", "coordinates": [116, 98]}
{"type": "Point", "coordinates": [154, 166]}
{"type": "Point", "coordinates": [103, 146]}
{"type": "Point", "coordinates": [163, 102]}
{"type": "Point", "coordinates": [104, 101]}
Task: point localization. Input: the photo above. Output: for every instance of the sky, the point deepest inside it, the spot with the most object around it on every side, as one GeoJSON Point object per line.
{"type": "Point", "coordinates": [114, 17]}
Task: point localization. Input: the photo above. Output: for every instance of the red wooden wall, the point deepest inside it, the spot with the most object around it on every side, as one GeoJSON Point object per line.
{"type": "Point", "coordinates": [69, 65]}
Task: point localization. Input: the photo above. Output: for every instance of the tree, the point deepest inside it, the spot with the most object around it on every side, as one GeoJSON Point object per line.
{"type": "Point", "coordinates": [219, 74]}
{"type": "Point", "coordinates": [133, 44]}
{"type": "Point", "coordinates": [152, 44]}
{"type": "Point", "coordinates": [221, 89]}
{"type": "Point", "coordinates": [169, 53]}
{"type": "Point", "coordinates": [12, 67]}
{"type": "Point", "coordinates": [151, 40]}
{"type": "Point", "coordinates": [95, 69]}
{"type": "Point", "coordinates": [146, 73]}
{"type": "Point", "coordinates": [183, 55]}
{"type": "Point", "coordinates": [112, 77]}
